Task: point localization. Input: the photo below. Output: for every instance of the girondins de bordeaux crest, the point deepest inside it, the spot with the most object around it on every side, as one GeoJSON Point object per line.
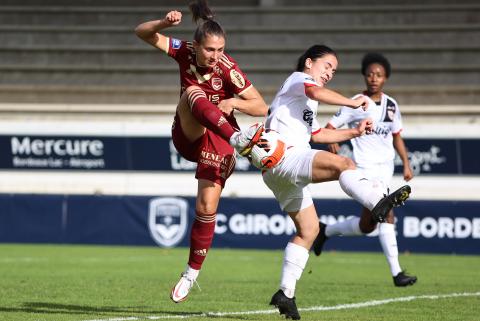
{"type": "Point", "coordinates": [167, 220]}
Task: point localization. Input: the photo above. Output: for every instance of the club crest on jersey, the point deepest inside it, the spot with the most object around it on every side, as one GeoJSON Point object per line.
{"type": "Point", "coordinates": [167, 220]}
{"type": "Point", "coordinates": [176, 43]}
{"type": "Point", "coordinates": [237, 78]}
{"type": "Point", "coordinates": [217, 83]}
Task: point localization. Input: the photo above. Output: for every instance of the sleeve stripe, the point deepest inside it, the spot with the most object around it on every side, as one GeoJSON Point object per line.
{"type": "Point", "coordinates": [317, 131]}
{"type": "Point", "coordinates": [398, 133]}
{"type": "Point", "coordinates": [243, 91]}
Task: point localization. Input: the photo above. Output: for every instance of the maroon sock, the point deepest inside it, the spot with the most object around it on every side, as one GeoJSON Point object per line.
{"type": "Point", "coordinates": [201, 239]}
{"type": "Point", "coordinates": [209, 115]}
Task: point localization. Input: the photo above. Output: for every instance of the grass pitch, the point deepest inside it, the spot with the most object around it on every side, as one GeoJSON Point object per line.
{"type": "Point", "coordinates": [84, 283]}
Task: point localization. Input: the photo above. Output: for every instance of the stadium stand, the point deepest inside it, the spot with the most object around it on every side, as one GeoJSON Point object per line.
{"type": "Point", "coordinates": [85, 51]}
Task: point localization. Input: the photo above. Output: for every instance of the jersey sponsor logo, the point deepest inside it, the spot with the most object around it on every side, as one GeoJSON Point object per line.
{"type": "Point", "coordinates": [308, 116]}
{"type": "Point", "coordinates": [381, 131]}
{"type": "Point", "coordinates": [217, 83]}
{"type": "Point", "coordinates": [176, 43]}
{"type": "Point", "coordinates": [167, 220]}
{"type": "Point", "coordinates": [237, 78]}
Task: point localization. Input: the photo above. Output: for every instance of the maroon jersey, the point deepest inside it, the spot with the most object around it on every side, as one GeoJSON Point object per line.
{"type": "Point", "coordinates": [214, 156]}
{"type": "Point", "coordinates": [220, 82]}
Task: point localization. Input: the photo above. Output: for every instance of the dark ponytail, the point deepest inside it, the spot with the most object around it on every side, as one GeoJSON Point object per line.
{"type": "Point", "coordinates": [314, 52]}
{"type": "Point", "coordinates": [209, 26]}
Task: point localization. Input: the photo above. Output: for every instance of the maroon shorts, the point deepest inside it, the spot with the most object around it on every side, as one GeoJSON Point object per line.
{"type": "Point", "coordinates": [214, 156]}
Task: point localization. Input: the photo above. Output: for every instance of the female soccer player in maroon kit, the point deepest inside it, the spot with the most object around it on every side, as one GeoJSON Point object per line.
{"type": "Point", "coordinates": [204, 129]}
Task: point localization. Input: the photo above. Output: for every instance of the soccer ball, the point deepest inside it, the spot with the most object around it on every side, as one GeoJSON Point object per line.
{"type": "Point", "coordinates": [269, 151]}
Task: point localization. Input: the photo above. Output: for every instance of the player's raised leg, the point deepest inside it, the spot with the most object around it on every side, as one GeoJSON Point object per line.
{"type": "Point", "coordinates": [197, 113]}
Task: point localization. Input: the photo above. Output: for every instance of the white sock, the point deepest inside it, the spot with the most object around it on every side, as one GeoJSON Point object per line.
{"type": "Point", "coordinates": [192, 274]}
{"type": "Point", "coordinates": [349, 227]}
{"type": "Point", "coordinates": [233, 139]}
{"type": "Point", "coordinates": [388, 240]}
{"type": "Point", "coordinates": [294, 262]}
{"type": "Point", "coordinates": [360, 188]}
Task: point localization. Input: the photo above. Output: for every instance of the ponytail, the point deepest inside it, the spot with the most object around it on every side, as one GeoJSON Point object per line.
{"type": "Point", "coordinates": [200, 10]}
{"type": "Point", "coordinates": [314, 52]}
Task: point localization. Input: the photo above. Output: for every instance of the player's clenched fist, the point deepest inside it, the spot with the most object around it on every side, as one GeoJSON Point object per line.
{"type": "Point", "coordinates": [174, 17]}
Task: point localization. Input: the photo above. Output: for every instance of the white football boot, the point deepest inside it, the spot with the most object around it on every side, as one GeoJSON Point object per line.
{"type": "Point", "coordinates": [244, 140]}
{"type": "Point", "coordinates": [180, 291]}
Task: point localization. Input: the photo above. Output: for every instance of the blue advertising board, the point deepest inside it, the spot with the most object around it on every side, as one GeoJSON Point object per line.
{"type": "Point", "coordinates": [125, 153]}
{"type": "Point", "coordinates": [422, 226]}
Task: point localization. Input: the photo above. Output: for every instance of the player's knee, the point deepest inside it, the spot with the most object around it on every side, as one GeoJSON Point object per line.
{"type": "Point", "coordinates": [344, 164]}
{"type": "Point", "coordinates": [206, 208]}
{"type": "Point", "coordinates": [192, 88]}
{"type": "Point", "coordinates": [192, 94]}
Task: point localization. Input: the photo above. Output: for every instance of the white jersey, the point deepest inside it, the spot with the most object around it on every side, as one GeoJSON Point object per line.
{"type": "Point", "coordinates": [292, 113]}
{"type": "Point", "coordinates": [377, 147]}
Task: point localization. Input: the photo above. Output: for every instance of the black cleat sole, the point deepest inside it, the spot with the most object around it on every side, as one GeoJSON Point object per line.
{"type": "Point", "coordinates": [395, 199]}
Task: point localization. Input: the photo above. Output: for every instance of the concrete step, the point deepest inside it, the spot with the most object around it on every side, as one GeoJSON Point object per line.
{"type": "Point", "coordinates": [260, 75]}
{"type": "Point", "coordinates": [269, 56]}
{"type": "Point", "coordinates": [328, 3]}
{"type": "Point", "coordinates": [455, 35]}
{"type": "Point", "coordinates": [249, 16]}
{"type": "Point", "coordinates": [133, 3]}
{"type": "Point", "coordinates": [220, 3]}
{"type": "Point", "coordinates": [154, 94]}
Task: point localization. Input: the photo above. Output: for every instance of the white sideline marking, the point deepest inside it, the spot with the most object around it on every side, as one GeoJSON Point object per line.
{"type": "Point", "coordinates": [317, 308]}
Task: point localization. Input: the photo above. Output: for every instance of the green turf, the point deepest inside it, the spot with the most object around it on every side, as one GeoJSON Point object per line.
{"type": "Point", "coordinates": [80, 283]}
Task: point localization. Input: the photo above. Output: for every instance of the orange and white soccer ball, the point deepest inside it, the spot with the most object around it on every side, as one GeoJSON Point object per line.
{"type": "Point", "coordinates": [269, 151]}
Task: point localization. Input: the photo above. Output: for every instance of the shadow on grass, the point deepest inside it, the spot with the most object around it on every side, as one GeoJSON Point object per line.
{"type": "Point", "coordinates": [55, 308]}
{"type": "Point", "coordinates": [109, 311]}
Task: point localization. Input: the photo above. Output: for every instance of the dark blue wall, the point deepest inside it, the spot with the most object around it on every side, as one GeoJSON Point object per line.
{"type": "Point", "coordinates": [422, 226]}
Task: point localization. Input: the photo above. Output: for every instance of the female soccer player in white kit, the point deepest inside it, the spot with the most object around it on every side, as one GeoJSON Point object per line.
{"type": "Point", "coordinates": [374, 156]}
{"type": "Point", "coordinates": [293, 114]}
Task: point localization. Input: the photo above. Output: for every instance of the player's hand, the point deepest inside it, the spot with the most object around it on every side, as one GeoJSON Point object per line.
{"type": "Point", "coordinates": [361, 101]}
{"type": "Point", "coordinates": [333, 148]}
{"type": "Point", "coordinates": [407, 173]}
{"type": "Point", "coordinates": [173, 18]}
{"type": "Point", "coordinates": [365, 126]}
{"type": "Point", "coordinates": [227, 105]}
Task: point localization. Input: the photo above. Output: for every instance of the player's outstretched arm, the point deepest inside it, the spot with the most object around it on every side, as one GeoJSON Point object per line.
{"type": "Point", "coordinates": [331, 97]}
{"type": "Point", "coordinates": [149, 31]}
{"type": "Point", "coordinates": [329, 136]}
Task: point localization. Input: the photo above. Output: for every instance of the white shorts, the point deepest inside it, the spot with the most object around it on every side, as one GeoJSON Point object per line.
{"type": "Point", "coordinates": [289, 180]}
{"type": "Point", "coordinates": [378, 172]}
